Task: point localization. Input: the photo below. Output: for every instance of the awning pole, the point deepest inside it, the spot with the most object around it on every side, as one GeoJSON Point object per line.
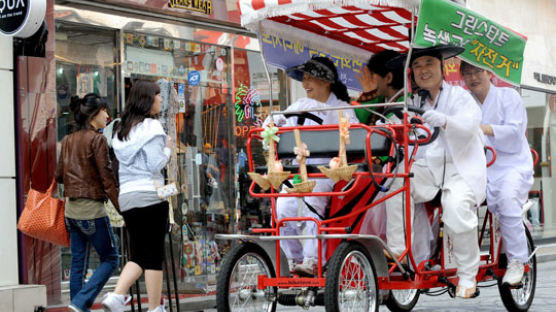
{"type": "Point", "coordinates": [407, 59]}
{"type": "Point", "coordinates": [267, 72]}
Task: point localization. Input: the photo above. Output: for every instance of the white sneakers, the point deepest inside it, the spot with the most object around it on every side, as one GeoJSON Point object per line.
{"type": "Point", "coordinates": [309, 267]}
{"type": "Point", "coordinates": [160, 308]}
{"type": "Point", "coordinates": [292, 263]}
{"type": "Point", "coordinates": [466, 289]}
{"type": "Point", "coordinates": [113, 302]}
{"type": "Point", "coordinates": [74, 308]}
{"type": "Point", "coordinates": [514, 273]}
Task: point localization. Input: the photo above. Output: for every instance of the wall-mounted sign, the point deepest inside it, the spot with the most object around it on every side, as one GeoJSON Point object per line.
{"type": "Point", "coordinates": [194, 78]}
{"type": "Point", "coordinates": [21, 18]}
{"type": "Point", "coordinates": [544, 78]}
{"type": "Point", "coordinates": [202, 6]}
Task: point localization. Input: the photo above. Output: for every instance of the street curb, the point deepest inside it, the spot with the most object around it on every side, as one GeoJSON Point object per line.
{"type": "Point", "coordinates": [546, 252]}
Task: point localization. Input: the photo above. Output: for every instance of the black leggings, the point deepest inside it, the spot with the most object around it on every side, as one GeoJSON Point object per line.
{"type": "Point", "coordinates": [147, 227]}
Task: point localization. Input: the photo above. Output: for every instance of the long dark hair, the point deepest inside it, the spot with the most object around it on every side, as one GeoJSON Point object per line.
{"type": "Point", "coordinates": [138, 106]}
{"type": "Point", "coordinates": [377, 64]}
{"type": "Point", "coordinates": [337, 87]}
{"type": "Point", "coordinates": [86, 108]}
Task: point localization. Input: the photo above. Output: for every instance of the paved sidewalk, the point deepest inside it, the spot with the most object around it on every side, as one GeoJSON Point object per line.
{"type": "Point", "coordinates": [545, 253]}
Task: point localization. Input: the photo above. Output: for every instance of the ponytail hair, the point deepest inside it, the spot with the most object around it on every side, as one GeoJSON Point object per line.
{"type": "Point", "coordinates": [85, 109]}
{"type": "Point", "coordinates": [340, 91]}
{"type": "Point", "coordinates": [337, 87]}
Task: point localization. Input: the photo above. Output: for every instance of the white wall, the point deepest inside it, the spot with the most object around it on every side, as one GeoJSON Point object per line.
{"type": "Point", "coordinates": [8, 230]}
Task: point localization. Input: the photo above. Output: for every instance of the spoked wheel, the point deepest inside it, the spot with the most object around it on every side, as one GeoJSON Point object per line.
{"type": "Point", "coordinates": [520, 299]}
{"type": "Point", "coordinates": [402, 300]}
{"type": "Point", "coordinates": [236, 288]}
{"type": "Point", "coordinates": [351, 283]}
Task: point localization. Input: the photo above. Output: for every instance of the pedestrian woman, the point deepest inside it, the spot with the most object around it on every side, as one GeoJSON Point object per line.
{"type": "Point", "coordinates": [142, 149]}
{"type": "Point", "coordinates": [85, 171]}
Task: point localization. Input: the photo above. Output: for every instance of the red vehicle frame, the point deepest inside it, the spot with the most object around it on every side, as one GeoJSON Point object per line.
{"type": "Point", "coordinates": [255, 274]}
{"type": "Point", "coordinates": [397, 276]}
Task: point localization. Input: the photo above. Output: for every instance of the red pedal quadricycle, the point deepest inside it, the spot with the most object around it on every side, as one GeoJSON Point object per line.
{"type": "Point", "coordinates": [354, 274]}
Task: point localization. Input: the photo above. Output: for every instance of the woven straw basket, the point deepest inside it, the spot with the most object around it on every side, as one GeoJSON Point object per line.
{"type": "Point", "coordinates": [276, 178]}
{"type": "Point", "coordinates": [261, 180]}
{"type": "Point", "coordinates": [341, 173]}
{"type": "Point", "coordinates": [303, 187]}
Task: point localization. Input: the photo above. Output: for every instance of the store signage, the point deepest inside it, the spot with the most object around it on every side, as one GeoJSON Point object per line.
{"type": "Point", "coordinates": [202, 6]}
{"type": "Point", "coordinates": [21, 18]}
{"type": "Point", "coordinates": [544, 78]}
{"type": "Point", "coordinates": [194, 78]}
{"type": "Point", "coordinates": [247, 100]}
{"type": "Point", "coordinates": [487, 44]}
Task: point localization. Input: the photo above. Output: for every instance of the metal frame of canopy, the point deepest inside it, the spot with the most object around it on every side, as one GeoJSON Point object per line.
{"type": "Point", "coordinates": [355, 28]}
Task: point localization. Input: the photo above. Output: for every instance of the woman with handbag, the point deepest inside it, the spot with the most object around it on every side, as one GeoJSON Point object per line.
{"type": "Point", "coordinates": [142, 149]}
{"type": "Point", "coordinates": [85, 171]}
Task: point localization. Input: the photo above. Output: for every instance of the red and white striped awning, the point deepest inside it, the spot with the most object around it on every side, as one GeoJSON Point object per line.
{"type": "Point", "coordinates": [371, 25]}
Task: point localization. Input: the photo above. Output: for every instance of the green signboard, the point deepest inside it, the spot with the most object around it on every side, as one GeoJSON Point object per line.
{"type": "Point", "coordinates": [487, 44]}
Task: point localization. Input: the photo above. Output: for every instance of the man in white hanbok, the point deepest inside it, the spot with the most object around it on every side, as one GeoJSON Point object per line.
{"type": "Point", "coordinates": [510, 178]}
{"type": "Point", "coordinates": [320, 80]}
{"type": "Point", "coordinates": [454, 163]}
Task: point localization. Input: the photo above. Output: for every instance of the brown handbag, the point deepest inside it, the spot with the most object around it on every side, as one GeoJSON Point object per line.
{"type": "Point", "coordinates": [43, 217]}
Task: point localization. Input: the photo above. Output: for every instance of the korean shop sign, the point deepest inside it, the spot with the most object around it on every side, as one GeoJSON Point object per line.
{"type": "Point", "coordinates": [202, 6]}
{"type": "Point", "coordinates": [284, 53]}
{"type": "Point", "coordinates": [21, 18]}
{"type": "Point", "coordinates": [487, 44]}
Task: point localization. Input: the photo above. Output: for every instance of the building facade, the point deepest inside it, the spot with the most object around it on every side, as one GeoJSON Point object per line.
{"type": "Point", "coordinates": [199, 49]}
{"type": "Point", "coordinates": [196, 48]}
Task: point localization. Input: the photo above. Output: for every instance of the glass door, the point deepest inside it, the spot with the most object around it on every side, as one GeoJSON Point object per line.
{"type": "Point", "coordinates": [196, 88]}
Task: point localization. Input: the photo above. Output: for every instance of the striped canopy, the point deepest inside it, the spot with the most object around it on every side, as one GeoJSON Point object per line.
{"type": "Point", "coordinates": [356, 27]}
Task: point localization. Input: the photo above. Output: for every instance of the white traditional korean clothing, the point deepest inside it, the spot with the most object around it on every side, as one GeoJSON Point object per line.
{"type": "Point", "coordinates": [289, 206]}
{"type": "Point", "coordinates": [511, 176]}
{"type": "Point", "coordinates": [454, 163]}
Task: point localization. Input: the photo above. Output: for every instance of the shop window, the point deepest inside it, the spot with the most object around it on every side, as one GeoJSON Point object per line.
{"type": "Point", "coordinates": [541, 128]}
{"type": "Point", "coordinates": [86, 62]}
{"type": "Point", "coordinates": [200, 121]}
{"type": "Point", "coordinates": [251, 108]}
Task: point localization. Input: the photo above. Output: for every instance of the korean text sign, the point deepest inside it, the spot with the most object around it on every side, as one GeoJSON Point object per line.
{"type": "Point", "coordinates": [284, 53]}
{"type": "Point", "coordinates": [487, 44]}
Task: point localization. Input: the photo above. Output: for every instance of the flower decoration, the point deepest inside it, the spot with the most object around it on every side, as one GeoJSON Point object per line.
{"type": "Point", "coordinates": [301, 152]}
{"type": "Point", "coordinates": [269, 134]}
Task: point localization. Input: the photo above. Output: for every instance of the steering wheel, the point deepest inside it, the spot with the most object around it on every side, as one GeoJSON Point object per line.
{"type": "Point", "coordinates": [302, 116]}
{"type": "Point", "coordinates": [398, 112]}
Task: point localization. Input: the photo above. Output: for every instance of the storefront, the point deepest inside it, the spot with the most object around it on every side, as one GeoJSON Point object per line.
{"type": "Point", "coordinates": [538, 91]}
{"type": "Point", "coordinates": [222, 92]}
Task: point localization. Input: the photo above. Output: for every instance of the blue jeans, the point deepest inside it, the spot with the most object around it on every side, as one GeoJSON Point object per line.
{"type": "Point", "coordinates": [83, 234]}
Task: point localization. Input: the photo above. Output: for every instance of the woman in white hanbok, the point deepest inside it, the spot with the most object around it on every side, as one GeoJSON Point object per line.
{"type": "Point", "coordinates": [324, 89]}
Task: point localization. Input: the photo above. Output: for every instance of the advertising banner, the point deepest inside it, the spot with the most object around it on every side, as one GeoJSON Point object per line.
{"type": "Point", "coordinates": [285, 53]}
{"type": "Point", "coordinates": [487, 44]}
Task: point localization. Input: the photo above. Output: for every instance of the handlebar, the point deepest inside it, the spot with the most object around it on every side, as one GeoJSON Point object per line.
{"type": "Point", "coordinates": [491, 149]}
{"type": "Point", "coordinates": [535, 157]}
{"type": "Point", "coordinates": [416, 120]}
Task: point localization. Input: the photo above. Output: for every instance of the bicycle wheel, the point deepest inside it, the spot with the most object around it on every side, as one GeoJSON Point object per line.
{"type": "Point", "coordinates": [236, 288]}
{"type": "Point", "coordinates": [402, 300]}
{"type": "Point", "coordinates": [520, 299]}
{"type": "Point", "coordinates": [351, 283]}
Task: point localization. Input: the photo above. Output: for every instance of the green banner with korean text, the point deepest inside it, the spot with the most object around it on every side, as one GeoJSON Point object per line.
{"type": "Point", "coordinates": [487, 44]}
